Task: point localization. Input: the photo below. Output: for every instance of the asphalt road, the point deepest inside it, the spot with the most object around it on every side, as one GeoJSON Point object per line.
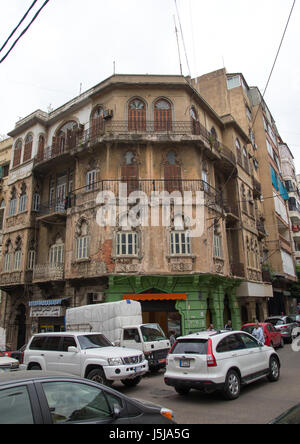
{"type": "Point", "coordinates": [258, 403]}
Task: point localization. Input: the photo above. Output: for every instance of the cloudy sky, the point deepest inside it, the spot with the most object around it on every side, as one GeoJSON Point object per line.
{"type": "Point", "coordinates": [73, 44]}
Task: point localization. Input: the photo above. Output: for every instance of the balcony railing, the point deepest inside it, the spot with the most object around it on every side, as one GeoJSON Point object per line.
{"type": "Point", "coordinates": [133, 130]}
{"type": "Point", "coordinates": [238, 270]}
{"type": "Point", "coordinates": [147, 186]}
{"type": "Point", "coordinates": [48, 272]}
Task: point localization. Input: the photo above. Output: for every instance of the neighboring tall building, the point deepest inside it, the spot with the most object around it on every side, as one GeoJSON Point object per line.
{"type": "Point", "coordinates": [154, 134]}
{"type": "Point", "coordinates": [230, 94]}
{"type": "Point", "coordinates": [5, 153]}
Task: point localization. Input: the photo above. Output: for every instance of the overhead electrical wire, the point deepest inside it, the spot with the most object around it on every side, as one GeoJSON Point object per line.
{"type": "Point", "coordinates": [18, 25]}
{"type": "Point", "coordinates": [24, 31]}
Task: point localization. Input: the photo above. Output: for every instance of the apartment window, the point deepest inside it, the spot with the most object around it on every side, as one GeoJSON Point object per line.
{"type": "Point", "coordinates": [162, 115]}
{"type": "Point", "coordinates": [36, 202]}
{"type": "Point", "coordinates": [31, 259]}
{"type": "Point", "coordinates": [136, 115]}
{"type": "Point", "coordinates": [17, 260]}
{"type": "Point", "coordinates": [217, 245]}
{"type": "Point", "coordinates": [22, 203]}
{"type": "Point", "coordinates": [233, 82]}
{"type": "Point", "coordinates": [180, 242]}
{"type": "Point", "coordinates": [127, 244]}
{"type": "Point", "coordinates": [2, 208]}
{"type": "Point", "coordinates": [12, 206]}
{"type": "Point", "coordinates": [17, 153]}
{"type": "Point", "coordinates": [28, 148]}
{"type": "Point", "coordinates": [7, 262]}
{"type": "Point", "coordinates": [97, 121]}
{"type": "Point", "coordinates": [82, 244]}
{"type": "Point", "coordinates": [56, 254]}
{"type": "Point", "coordinates": [245, 160]}
{"type": "Point", "coordinates": [91, 180]}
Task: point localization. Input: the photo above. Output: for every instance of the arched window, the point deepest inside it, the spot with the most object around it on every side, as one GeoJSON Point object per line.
{"type": "Point", "coordinates": [41, 148]}
{"type": "Point", "coordinates": [244, 199]}
{"type": "Point", "coordinates": [162, 115]}
{"type": "Point", "coordinates": [13, 202]}
{"type": "Point", "coordinates": [97, 121]}
{"type": "Point", "coordinates": [17, 153]}
{"type": "Point", "coordinates": [23, 199]}
{"type": "Point", "coordinates": [65, 138]}
{"type": "Point", "coordinates": [136, 115]}
{"type": "Point", "coordinates": [28, 148]}
{"type": "Point", "coordinates": [18, 254]}
{"type": "Point", "coordinates": [172, 173]}
{"type": "Point", "coordinates": [195, 122]}
{"type": "Point", "coordinates": [7, 256]}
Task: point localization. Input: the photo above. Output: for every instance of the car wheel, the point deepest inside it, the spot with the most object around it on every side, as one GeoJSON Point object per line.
{"type": "Point", "coordinates": [182, 390]}
{"type": "Point", "coordinates": [35, 367]}
{"type": "Point", "coordinates": [232, 385]}
{"type": "Point", "coordinates": [98, 375]}
{"type": "Point", "coordinates": [274, 372]}
{"type": "Point", "coordinates": [131, 382]}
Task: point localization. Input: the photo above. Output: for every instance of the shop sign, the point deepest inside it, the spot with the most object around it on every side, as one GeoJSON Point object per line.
{"type": "Point", "coordinates": [46, 311]}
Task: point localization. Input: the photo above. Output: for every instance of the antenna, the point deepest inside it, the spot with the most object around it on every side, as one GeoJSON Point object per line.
{"type": "Point", "coordinates": [176, 31]}
{"type": "Point", "coordinates": [114, 67]}
{"type": "Point", "coordinates": [187, 61]}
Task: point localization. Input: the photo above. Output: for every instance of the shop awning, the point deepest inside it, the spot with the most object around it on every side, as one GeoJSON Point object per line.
{"type": "Point", "coordinates": [45, 302]}
{"type": "Point", "coordinates": [155, 297]}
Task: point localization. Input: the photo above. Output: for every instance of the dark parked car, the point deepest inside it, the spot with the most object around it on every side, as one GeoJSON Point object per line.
{"type": "Point", "coordinates": [292, 416]}
{"type": "Point", "coordinates": [36, 397]}
{"type": "Point", "coordinates": [285, 325]}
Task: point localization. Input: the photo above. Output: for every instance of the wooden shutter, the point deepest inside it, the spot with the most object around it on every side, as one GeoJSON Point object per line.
{"type": "Point", "coordinates": [136, 119]}
{"type": "Point", "coordinates": [162, 119]}
{"type": "Point", "coordinates": [40, 153]}
{"type": "Point", "coordinates": [129, 174]}
{"type": "Point", "coordinates": [17, 155]}
{"type": "Point", "coordinates": [27, 149]}
{"type": "Point", "coordinates": [172, 175]}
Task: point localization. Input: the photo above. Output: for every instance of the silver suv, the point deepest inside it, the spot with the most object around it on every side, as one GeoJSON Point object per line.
{"type": "Point", "coordinates": [223, 361]}
{"type": "Point", "coordinates": [287, 327]}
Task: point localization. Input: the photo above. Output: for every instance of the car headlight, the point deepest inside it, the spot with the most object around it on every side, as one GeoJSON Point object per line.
{"type": "Point", "coordinates": [115, 361]}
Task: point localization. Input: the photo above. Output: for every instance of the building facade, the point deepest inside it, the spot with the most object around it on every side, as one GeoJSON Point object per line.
{"type": "Point", "coordinates": [117, 153]}
{"type": "Point", "coordinates": [230, 93]}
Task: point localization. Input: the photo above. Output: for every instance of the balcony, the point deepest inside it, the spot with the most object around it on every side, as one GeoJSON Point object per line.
{"type": "Point", "coordinates": [238, 270]}
{"type": "Point", "coordinates": [56, 211]}
{"type": "Point", "coordinates": [147, 131]}
{"type": "Point", "coordinates": [12, 278]}
{"type": "Point", "coordinates": [147, 186]}
{"type": "Point", "coordinates": [48, 272]}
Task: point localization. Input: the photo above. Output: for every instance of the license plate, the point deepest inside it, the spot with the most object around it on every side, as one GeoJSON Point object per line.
{"type": "Point", "coordinates": [185, 363]}
{"type": "Point", "coordinates": [137, 369]}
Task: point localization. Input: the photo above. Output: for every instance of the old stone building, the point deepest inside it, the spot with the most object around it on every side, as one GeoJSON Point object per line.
{"type": "Point", "coordinates": [230, 93]}
{"type": "Point", "coordinates": [154, 135]}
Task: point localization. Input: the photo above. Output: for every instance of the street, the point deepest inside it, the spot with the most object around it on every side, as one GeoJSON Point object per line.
{"type": "Point", "coordinates": [258, 403]}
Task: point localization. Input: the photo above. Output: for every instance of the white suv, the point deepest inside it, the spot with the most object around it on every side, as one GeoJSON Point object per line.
{"type": "Point", "coordinates": [89, 355]}
{"type": "Point", "coordinates": [219, 361]}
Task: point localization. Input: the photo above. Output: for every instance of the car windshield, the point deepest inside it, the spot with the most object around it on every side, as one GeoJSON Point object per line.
{"type": "Point", "coordinates": [93, 341]}
{"type": "Point", "coordinates": [152, 332]}
{"type": "Point", "coordinates": [190, 347]}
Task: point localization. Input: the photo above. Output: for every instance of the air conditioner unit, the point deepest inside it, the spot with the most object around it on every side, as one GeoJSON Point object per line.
{"type": "Point", "coordinates": [108, 113]}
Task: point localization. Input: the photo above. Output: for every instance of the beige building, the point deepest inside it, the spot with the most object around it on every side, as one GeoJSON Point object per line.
{"type": "Point", "coordinates": [5, 153]}
{"type": "Point", "coordinates": [154, 134]}
{"type": "Point", "coordinates": [230, 94]}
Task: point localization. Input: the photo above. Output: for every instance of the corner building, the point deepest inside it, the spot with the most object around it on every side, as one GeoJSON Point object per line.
{"type": "Point", "coordinates": [151, 133]}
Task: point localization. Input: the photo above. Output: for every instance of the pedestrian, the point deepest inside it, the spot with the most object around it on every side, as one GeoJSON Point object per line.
{"type": "Point", "coordinates": [258, 333]}
{"type": "Point", "coordinates": [172, 337]}
{"type": "Point", "coordinates": [228, 326]}
{"type": "Point", "coordinates": [211, 327]}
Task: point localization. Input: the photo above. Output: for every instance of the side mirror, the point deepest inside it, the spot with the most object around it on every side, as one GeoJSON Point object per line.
{"type": "Point", "coordinates": [72, 350]}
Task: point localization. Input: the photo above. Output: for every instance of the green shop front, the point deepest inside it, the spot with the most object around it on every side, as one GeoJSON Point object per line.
{"type": "Point", "coordinates": [181, 303]}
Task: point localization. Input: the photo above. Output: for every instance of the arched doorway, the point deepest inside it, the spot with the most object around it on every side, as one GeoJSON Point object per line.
{"type": "Point", "coordinates": [21, 325]}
